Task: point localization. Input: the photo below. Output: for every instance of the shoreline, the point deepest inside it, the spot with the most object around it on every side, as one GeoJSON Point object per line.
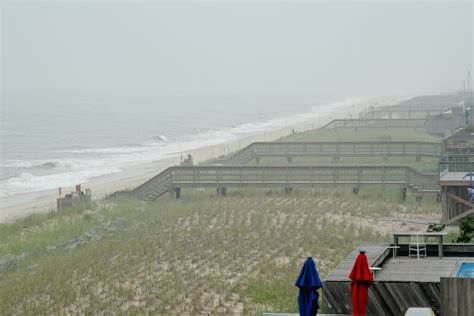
{"type": "Point", "coordinates": [133, 175]}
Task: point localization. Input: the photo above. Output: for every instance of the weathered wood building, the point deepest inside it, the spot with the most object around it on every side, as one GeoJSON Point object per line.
{"type": "Point", "coordinates": [460, 142]}
{"type": "Point", "coordinates": [456, 175]}
{"type": "Point", "coordinates": [445, 124]}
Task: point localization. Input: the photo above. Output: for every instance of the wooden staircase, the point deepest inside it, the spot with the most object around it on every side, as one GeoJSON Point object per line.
{"type": "Point", "coordinates": [155, 187]}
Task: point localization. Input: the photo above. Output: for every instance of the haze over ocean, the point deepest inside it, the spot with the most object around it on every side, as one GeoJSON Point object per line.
{"type": "Point", "coordinates": [88, 87]}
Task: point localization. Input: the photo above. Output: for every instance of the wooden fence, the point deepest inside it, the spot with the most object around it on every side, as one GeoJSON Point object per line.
{"type": "Point", "coordinates": [385, 298]}
{"type": "Point", "coordinates": [284, 176]}
{"type": "Point", "coordinates": [375, 123]}
{"type": "Point", "coordinates": [457, 296]}
{"type": "Point", "coordinates": [405, 109]}
{"type": "Point", "coordinates": [333, 149]}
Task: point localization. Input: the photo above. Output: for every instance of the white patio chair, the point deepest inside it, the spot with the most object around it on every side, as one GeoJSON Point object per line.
{"type": "Point", "coordinates": [418, 246]}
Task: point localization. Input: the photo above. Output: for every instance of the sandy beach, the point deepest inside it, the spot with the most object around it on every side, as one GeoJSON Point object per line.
{"type": "Point", "coordinates": [22, 205]}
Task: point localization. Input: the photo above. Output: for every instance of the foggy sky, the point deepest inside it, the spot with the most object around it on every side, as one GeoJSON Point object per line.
{"type": "Point", "coordinates": [348, 48]}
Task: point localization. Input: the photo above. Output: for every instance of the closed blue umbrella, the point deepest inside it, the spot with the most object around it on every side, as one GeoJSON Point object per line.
{"type": "Point", "coordinates": [308, 282]}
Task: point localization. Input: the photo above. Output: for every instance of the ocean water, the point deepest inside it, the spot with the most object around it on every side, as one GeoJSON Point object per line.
{"type": "Point", "coordinates": [53, 141]}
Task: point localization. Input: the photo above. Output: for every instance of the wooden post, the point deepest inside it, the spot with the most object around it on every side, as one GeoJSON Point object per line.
{"type": "Point", "coordinates": [240, 176]}
{"type": "Point", "coordinates": [403, 194]}
{"type": "Point", "coordinates": [440, 246]}
{"type": "Point", "coordinates": [395, 245]}
{"type": "Point", "coordinates": [60, 198]}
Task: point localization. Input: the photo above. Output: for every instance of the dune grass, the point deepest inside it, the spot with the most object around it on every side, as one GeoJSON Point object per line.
{"type": "Point", "coordinates": [235, 254]}
{"type": "Point", "coordinates": [203, 254]}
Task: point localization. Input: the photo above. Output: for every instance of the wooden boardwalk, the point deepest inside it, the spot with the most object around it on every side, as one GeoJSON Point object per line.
{"type": "Point", "coordinates": [283, 176]}
{"type": "Point", "coordinates": [333, 149]}
{"type": "Point", "coordinates": [375, 123]}
{"type": "Point", "coordinates": [373, 112]}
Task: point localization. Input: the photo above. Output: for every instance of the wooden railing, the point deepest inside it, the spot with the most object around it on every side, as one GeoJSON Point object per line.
{"type": "Point", "coordinates": [151, 186]}
{"type": "Point", "coordinates": [293, 149]}
{"type": "Point", "coordinates": [379, 111]}
{"type": "Point", "coordinates": [375, 123]}
{"type": "Point", "coordinates": [288, 176]}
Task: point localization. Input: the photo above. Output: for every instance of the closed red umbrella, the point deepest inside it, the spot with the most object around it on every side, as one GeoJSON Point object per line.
{"type": "Point", "coordinates": [361, 278]}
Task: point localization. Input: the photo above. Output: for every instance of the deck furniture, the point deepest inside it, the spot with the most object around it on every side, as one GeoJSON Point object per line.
{"type": "Point", "coordinates": [374, 269]}
{"type": "Point", "coordinates": [438, 235]}
{"type": "Point", "coordinates": [393, 250]}
{"type": "Point", "coordinates": [417, 246]}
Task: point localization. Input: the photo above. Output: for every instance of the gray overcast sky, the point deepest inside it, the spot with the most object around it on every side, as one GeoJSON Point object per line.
{"type": "Point", "coordinates": [348, 48]}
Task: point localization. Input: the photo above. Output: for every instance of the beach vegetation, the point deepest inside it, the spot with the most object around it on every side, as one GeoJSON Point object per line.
{"type": "Point", "coordinates": [466, 231]}
{"type": "Point", "coordinates": [202, 254]}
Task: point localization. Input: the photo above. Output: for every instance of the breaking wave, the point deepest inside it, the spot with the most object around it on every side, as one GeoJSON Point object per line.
{"type": "Point", "coordinates": [83, 164]}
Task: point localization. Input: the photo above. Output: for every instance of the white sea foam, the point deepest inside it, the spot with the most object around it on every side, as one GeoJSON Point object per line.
{"type": "Point", "coordinates": [84, 164]}
{"type": "Point", "coordinates": [27, 182]}
{"type": "Point", "coordinates": [111, 150]}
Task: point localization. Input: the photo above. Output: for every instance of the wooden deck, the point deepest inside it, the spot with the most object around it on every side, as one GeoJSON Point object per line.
{"type": "Point", "coordinates": [456, 178]}
{"type": "Point", "coordinates": [402, 269]}
{"type": "Point", "coordinates": [401, 283]}
{"type": "Point", "coordinates": [430, 269]}
{"type": "Point", "coordinates": [373, 252]}
{"type": "Point", "coordinates": [334, 149]}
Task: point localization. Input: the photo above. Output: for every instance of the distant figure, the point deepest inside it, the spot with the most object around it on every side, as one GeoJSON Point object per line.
{"type": "Point", "coordinates": [188, 161]}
